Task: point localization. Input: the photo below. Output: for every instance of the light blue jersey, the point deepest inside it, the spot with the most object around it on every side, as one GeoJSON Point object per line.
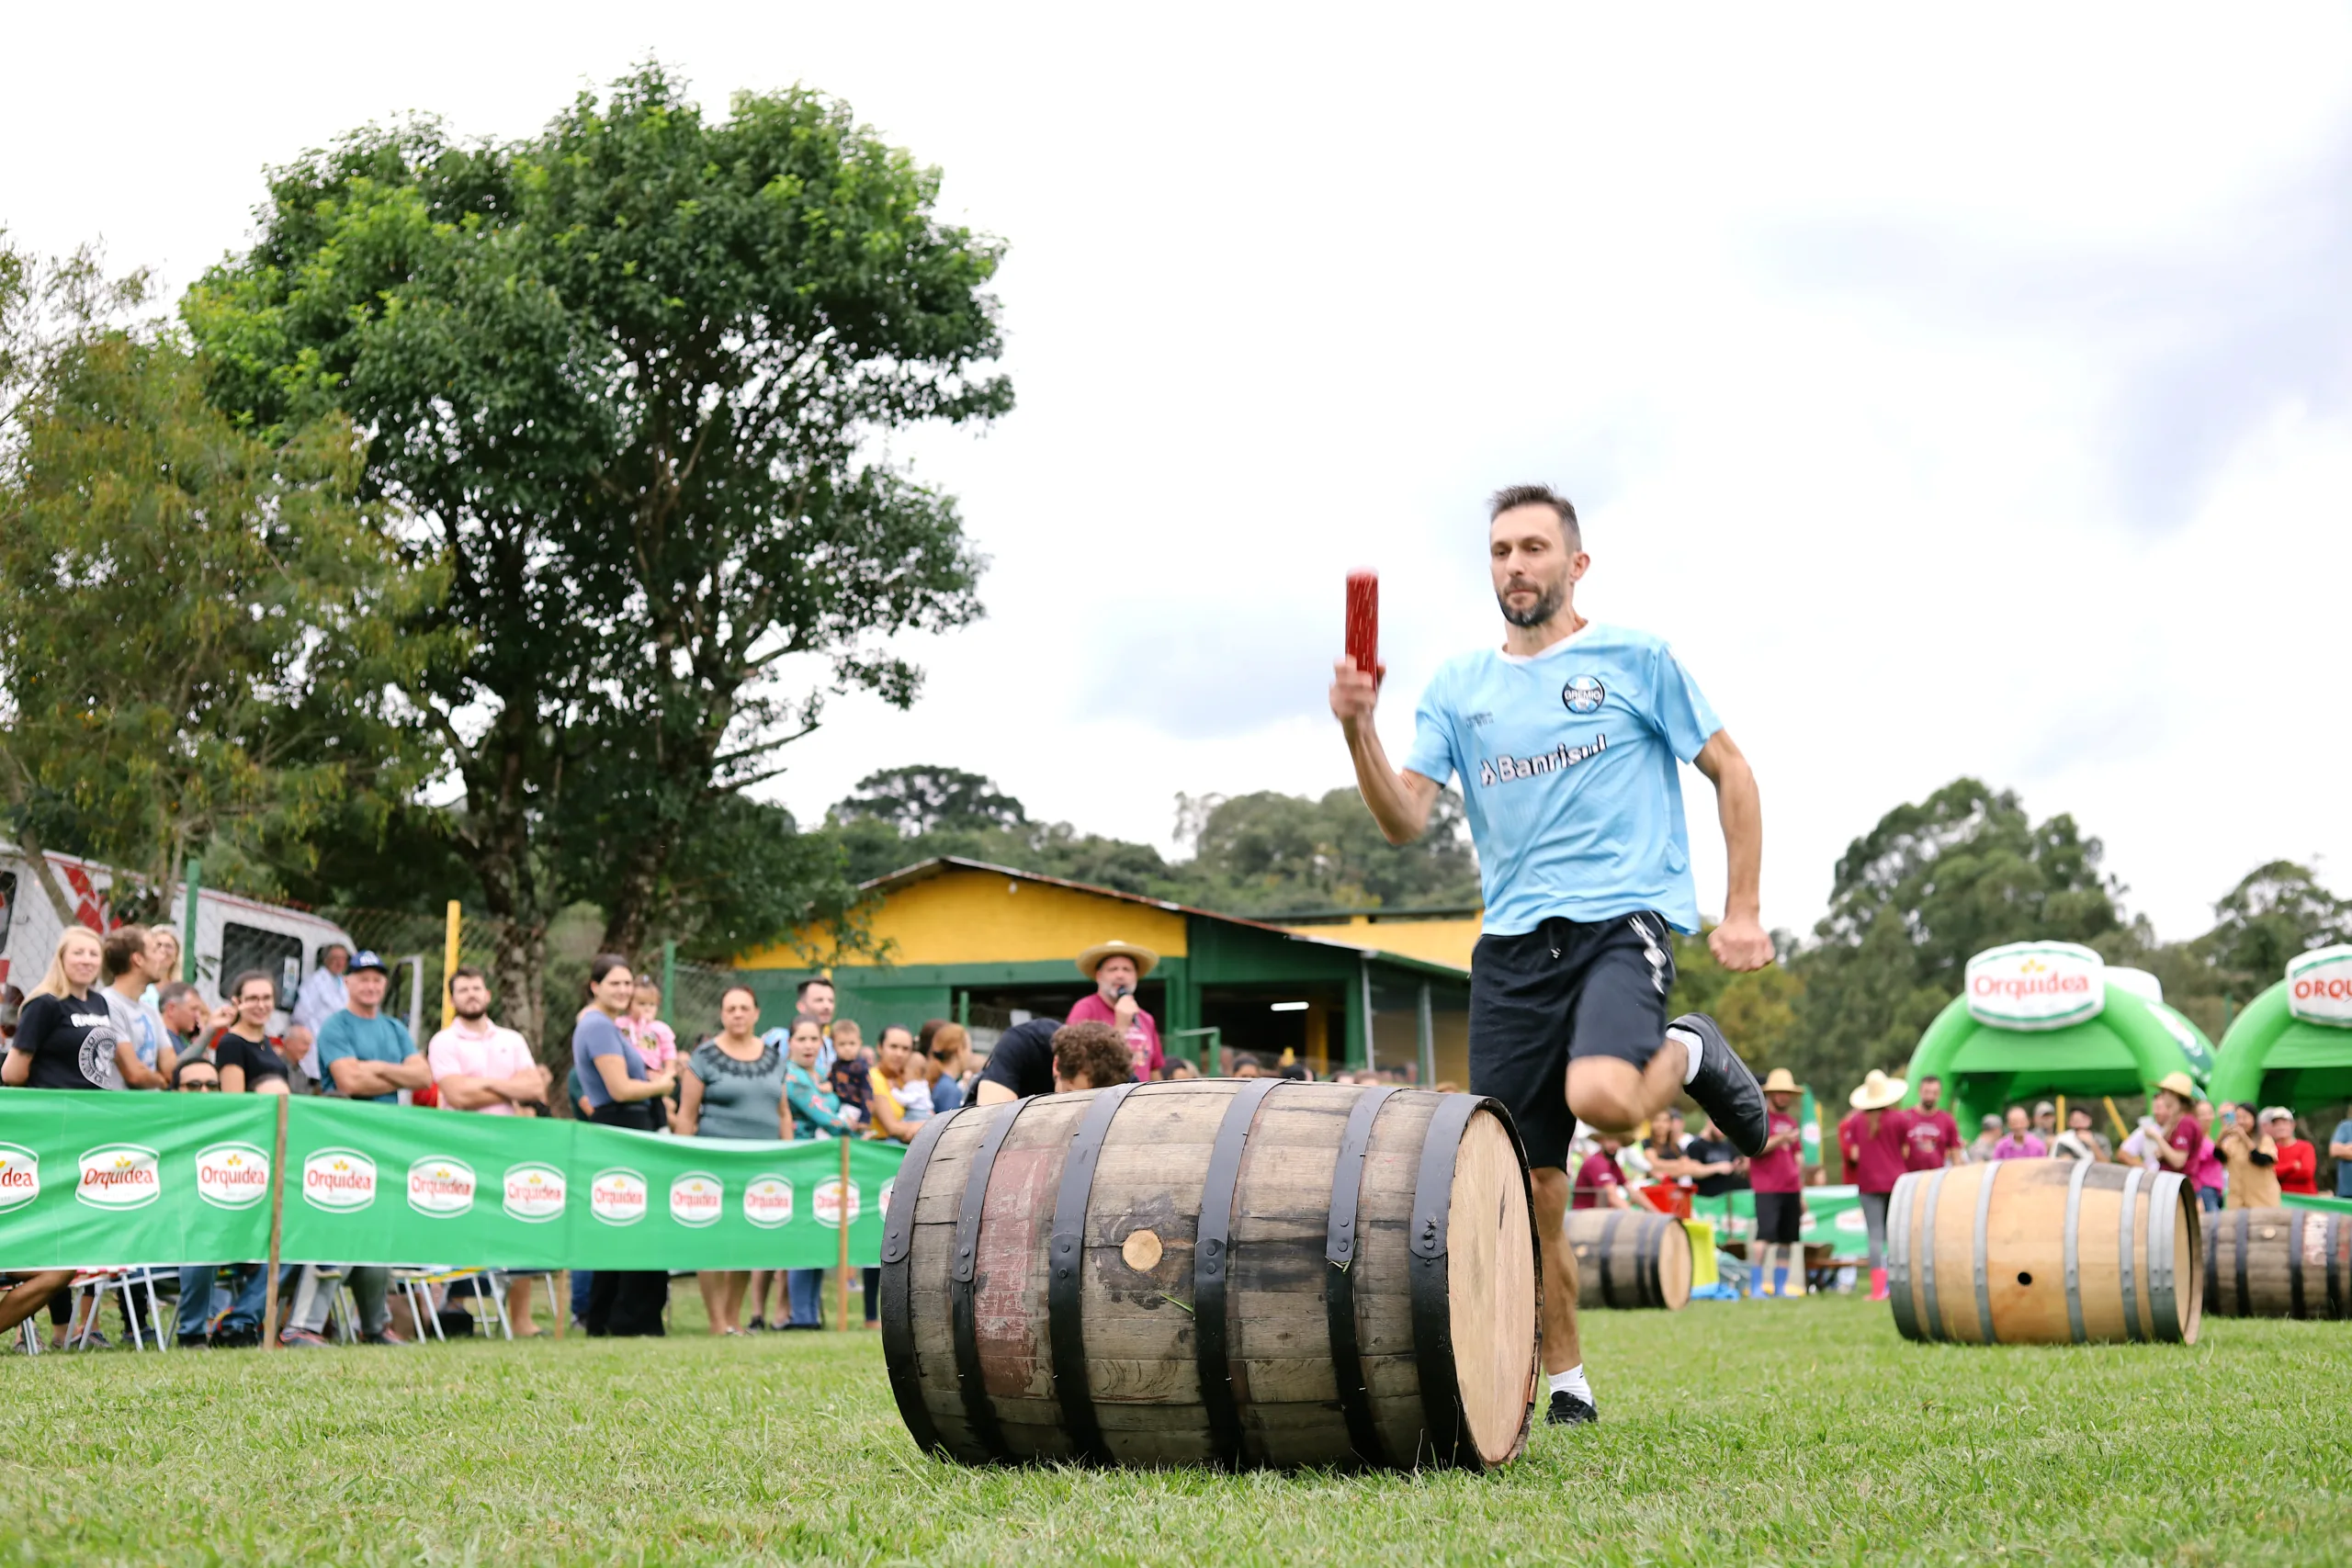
{"type": "Point", "coordinates": [1567, 765]}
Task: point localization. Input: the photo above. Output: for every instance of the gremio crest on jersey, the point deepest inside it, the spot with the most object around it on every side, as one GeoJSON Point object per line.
{"type": "Point", "coordinates": [1584, 693]}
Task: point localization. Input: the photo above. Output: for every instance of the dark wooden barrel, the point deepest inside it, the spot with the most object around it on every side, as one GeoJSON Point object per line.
{"type": "Point", "coordinates": [1629, 1258]}
{"type": "Point", "coordinates": [2279, 1263]}
{"type": "Point", "coordinates": [2044, 1252]}
{"type": "Point", "coordinates": [1239, 1272]}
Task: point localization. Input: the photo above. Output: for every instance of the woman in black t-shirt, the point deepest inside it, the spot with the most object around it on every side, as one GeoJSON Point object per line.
{"type": "Point", "coordinates": [244, 1053]}
{"type": "Point", "coordinates": [65, 1037]}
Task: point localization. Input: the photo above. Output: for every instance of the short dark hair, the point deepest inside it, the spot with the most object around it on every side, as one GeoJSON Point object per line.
{"type": "Point", "coordinates": [467, 972]}
{"type": "Point", "coordinates": [603, 964]}
{"type": "Point", "coordinates": [171, 991]}
{"type": "Point", "coordinates": [246, 977]}
{"type": "Point", "coordinates": [800, 991]}
{"type": "Point", "coordinates": [123, 944]}
{"type": "Point", "coordinates": [1512, 497]}
{"type": "Point", "coordinates": [1093, 1050]}
{"type": "Point", "coordinates": [179, 1071]}
{"type": "Point", "coordinates": [739, 985]}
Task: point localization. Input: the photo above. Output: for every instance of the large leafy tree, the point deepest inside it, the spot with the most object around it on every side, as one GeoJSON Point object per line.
{"type": "Point", "coordinates": [199, 627]}
{"type": "Point", "coordinates": [626, 381]}
{"type": "Point", "coordinates": [1272, 852]}
{"type": "Point", "coordinates": [1932, 884]}
{"type": "Point", "coordinates": [2275, 912]}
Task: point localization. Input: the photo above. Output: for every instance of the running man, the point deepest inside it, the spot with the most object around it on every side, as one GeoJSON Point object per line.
{"type": "Point", "coordinates": [1566, 740]}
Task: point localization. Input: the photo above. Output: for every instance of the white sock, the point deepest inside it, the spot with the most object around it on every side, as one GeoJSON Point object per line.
{"type": "Point", "coordinates": [1572, 1381]}
{"type": "Point", "coordinates": [1694, 1049]}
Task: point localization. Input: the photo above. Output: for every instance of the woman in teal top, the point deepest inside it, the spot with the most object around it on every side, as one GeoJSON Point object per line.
{"type": "Point", "coordinates": [817, 1111]}
{"type": "Point", "coordinates": [732, 1088]}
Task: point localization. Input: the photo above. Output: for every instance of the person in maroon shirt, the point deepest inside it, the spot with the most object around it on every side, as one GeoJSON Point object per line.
{"type": "Point", "coordinates": [2184, 1141]}
{"type": "Point", "coordinates": [1931, 1138]}
{"type": "Point", "coordinates": [1777, 1179]}
{"type": "Point", "coordinates": [1600, 1184]}
{"type": "Point", "coordinates": [1875, 1143]}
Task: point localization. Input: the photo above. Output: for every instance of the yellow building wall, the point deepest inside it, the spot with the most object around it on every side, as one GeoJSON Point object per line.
{"type": "Point", "coordinates": [977, 916]}
{"type": "Point", "coordinates": [1437, 942]}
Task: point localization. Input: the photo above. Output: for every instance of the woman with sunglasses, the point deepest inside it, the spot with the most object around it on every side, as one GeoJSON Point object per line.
{"type": "Point", "coordinates": [244, 1052]}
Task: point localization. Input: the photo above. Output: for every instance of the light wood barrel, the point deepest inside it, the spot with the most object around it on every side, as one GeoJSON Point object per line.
{"type": "Point", "coordinates": [2279, 1263]}
{"type": "Point", "coordinates": [1628, 1258]}
{"type": "Point", "coordinates": [2044, 1252]}
{"type": "Point", "coordinates": [1228, 1271]}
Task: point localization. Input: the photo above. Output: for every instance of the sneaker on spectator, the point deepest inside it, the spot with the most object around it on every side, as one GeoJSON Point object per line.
{"type": "Point", "coordinates": [192, 1342]}
{"type": "Point", "coordinates": [300, 1339]}
{"type": "Point", "coordinates": [385, 1337]}
{"type": "Point", "coordinates": [243, 1336]}
{"type": "Point", "coordinates": [94, 1340]}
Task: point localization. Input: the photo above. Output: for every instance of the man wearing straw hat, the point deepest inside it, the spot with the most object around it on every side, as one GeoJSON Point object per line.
{"type": "Point", "coordinates": [1116, 968]}
{"type": "Point", "coordinates": [1872, 1141]}
{"type": "Point", "coordinates": [1776, 1177]}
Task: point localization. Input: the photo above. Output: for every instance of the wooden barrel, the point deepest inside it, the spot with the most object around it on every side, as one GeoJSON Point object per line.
{"type": "Point", "coordinates": [2044, 1252]}
{"type": "Point", "coordinates": [1628, 1258]}
{"type": "Point", "coordinates": [2279, 1263]}
{"type": "Point", "coordinates": [1241, 1272]}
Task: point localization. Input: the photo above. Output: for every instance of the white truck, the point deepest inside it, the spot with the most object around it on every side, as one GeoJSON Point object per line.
{"type": "Point", "coordinates": [232, 934]}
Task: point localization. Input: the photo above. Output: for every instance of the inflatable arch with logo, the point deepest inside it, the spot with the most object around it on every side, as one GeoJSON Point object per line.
{"type": "Point", "coordinates": [2050, 1018]}
{"type": "Point", "coordinates": [2293, 1045]}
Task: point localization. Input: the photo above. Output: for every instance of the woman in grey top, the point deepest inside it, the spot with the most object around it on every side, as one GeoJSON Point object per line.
{"type": "Point", "coordinates": [732, 1088]}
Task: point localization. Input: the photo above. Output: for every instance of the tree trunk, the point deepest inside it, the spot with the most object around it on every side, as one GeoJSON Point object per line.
{"type": "Point", "coordinates": [28, 842]}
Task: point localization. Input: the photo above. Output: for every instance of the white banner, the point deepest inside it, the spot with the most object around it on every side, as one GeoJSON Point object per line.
{"type": "Point", "coordinates": [2319, 987]}
{"type": "Point", "coordinates": [2036, 985]}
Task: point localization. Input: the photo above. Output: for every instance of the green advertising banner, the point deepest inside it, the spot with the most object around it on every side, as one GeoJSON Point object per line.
{"type": "Point", "coordinates": [1833, 1215]}
{"type": "Point", "coordinates": [96, 1180]}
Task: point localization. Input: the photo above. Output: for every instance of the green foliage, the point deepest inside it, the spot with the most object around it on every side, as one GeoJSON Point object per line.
{"type": "Point", "coordinates": [1930, 886]}
{"type": "Point", "coordinates": [198, 640]}
{"type": "Point", "coordinates": [1253, 854]}
{"type": "Point", "coordinates": [622, 381]}
{"type": "Point", "coordinates": [2275, 912]}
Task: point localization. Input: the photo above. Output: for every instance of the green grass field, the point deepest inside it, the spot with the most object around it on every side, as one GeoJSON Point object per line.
{"type": "Point", "coordinates": [1754, 1432]}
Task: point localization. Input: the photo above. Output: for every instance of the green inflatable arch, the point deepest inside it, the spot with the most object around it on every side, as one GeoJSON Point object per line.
{"type": "Point", "coordinates": [1986, 1070]}
{"type": "Point", "coordinates": [2271, 1058]}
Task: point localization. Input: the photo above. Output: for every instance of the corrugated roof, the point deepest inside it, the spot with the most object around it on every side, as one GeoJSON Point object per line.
{"type": "Point", "coordinates": [924, 871]}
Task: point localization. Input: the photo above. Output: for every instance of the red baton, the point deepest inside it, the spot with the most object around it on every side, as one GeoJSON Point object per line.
{"type": "Point", "coordinates": [1364, 621]}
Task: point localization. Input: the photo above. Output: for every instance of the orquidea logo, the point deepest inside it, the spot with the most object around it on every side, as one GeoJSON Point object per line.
{"type": "Point", "coordinates": [617, 1196]}
{"type": "Point", "coordinates": [1584, 693]}
{"type": "Point", "coordinates": [767, 1200]}
{"type": "Point", "coordinates": [120, 1176]}
{"type": "Point", "coordinates": [533, 1193]}
{"type": "Point", "coordinates": [339, 1180]}
{"type": "Point", "coordinates": [441, 1188]}
{"type": "Point", "coordinates": [232, 1176]}
{"type": "Point", "coordinates": [19, 1177]}
{"type": "Point", "coordinates": [697, 1199]}
{"type": "Point", "coordinates": [829, 1205]}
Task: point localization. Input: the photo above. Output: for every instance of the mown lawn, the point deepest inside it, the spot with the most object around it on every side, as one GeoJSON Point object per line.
{"type": "Point", "coordinates": [1750, 1433]}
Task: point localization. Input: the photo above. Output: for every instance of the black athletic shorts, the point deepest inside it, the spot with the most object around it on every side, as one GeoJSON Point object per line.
{"type": "Point", "coordinates": [1779, 1218]}
{"type": "Point", "coordinates": [1567, 988]}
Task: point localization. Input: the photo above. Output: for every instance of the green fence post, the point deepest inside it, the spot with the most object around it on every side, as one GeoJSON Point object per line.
{"type": "Point", "coordinates": [670, 984]}
{"type": "Point", "coordinates": [187, 940]}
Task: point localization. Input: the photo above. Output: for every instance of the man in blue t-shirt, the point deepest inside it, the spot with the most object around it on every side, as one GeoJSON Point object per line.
{"type": "Point", "coordinates": [365, 1054]}
{"type": "Point", "coordinates": [1567, 741]}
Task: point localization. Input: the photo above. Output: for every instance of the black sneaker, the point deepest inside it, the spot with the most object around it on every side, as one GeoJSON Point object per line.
{"type": "Point", "coordinates": [1724, 1088]}
{"type": "Point", "coordinates": [243, 1337]}
{"type": "Point", "coordinates": [1567, 1410]}
{"type": "Point", "coordinates": [192, 1342]}
{"type": "Point", "coordinates": [757, 1325]}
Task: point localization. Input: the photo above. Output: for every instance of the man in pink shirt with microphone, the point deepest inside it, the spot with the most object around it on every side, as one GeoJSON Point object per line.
{"type": "Point", "coordinates": [1117, 968]}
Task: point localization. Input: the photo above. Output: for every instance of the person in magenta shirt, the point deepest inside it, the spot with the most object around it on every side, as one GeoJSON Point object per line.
{"type": "Point", "coordinates": [2020, 1142]}
{"type": "Point", "coordinates": [1600, 1181]}
{"type": "Point", "coordinates": [1875, 1143]}
{"type": "Point", "coordinates": [1776, 1177]}
{"type": "Point", "coordinates": [1930, 1137]}
{"type": "Point", "coordinates": [1117, 968]}
{"type": "Point", "coordinates": [2184, 1143]}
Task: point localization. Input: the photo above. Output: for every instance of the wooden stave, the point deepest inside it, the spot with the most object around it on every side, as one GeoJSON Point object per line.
{"type": "Point", "coordinates": [2281, 1259]}
{"type": "Point", "coordinates": [1274, 1344]}
{"type": "Point", "coordinates": [1641, 1275]}
{"type": "Point", "coordinates": [1954, 1280]}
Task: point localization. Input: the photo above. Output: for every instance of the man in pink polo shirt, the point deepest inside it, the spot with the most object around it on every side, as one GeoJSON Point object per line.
{"type": "Point", "coordinates": [1777, 1177]}
{"type": "Point", "coordinates": [1117, 968]}
{"type": "Point", "coordinates": [480, 1067]}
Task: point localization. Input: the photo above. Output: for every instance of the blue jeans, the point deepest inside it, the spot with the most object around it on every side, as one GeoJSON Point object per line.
{"type": "Point", "coordinates": [2210, 1200]}
{"type": "Point", "coordinates": [582, 1279]}
{"type": "Point", "coordinates": [244, 1306]}
{"type": "Point", "coordinates": [808, 1289]}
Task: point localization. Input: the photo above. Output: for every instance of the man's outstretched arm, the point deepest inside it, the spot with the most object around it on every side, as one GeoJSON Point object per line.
{"type": "Point", "coordinates": [1740, 942]}
{"type": "Point", "coordinates": [1399, 802]}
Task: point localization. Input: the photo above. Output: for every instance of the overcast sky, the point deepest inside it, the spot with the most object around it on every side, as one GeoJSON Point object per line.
{"type": "Point", "coordinates": [1958, 397]}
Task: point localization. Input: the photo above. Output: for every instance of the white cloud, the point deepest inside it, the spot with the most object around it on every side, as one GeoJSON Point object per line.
{"type": "Point", "coordinates": [1960, 395]}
